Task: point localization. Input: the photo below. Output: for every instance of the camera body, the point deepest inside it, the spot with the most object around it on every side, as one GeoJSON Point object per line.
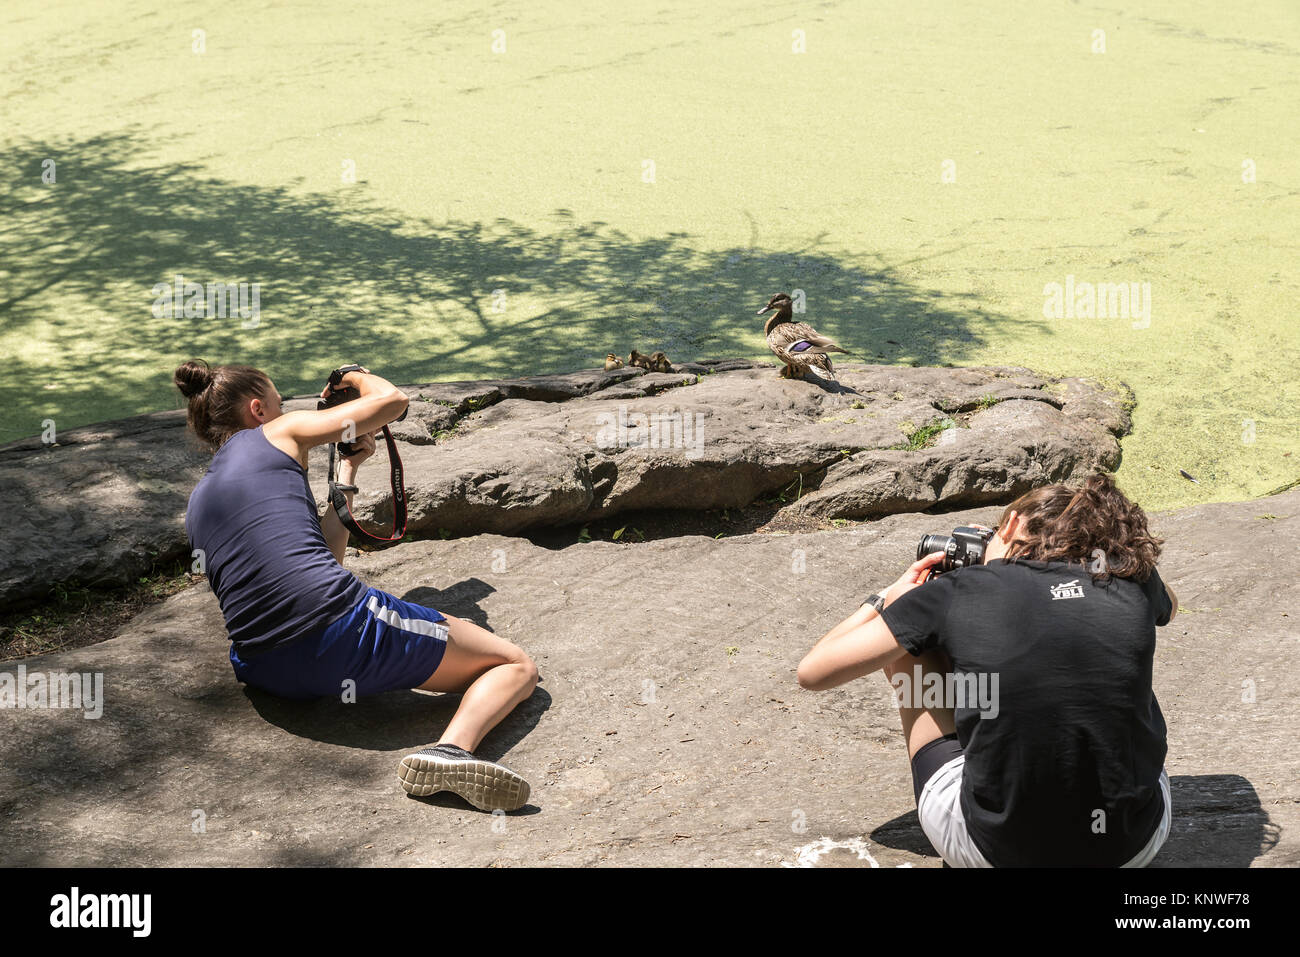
{"type": "Point", "coordinates": [965, 546]}
{"type": "Point", "coordinates": [339, 396]}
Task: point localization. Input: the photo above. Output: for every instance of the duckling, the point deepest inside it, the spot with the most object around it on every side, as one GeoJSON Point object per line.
{"type": "Point", "coordinates": [637, 359]}
{"type": "Point", "coordinates": [612, 362]}
{"type": "Point", "coordinates": [659, 363]}
{"type": "Point", "coordinates": [799, 346]}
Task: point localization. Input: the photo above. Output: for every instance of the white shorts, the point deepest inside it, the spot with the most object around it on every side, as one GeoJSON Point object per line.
{"type": "Point", "coordinates": [939, 808]}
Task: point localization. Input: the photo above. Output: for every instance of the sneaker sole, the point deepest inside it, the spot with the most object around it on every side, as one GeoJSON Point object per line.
{"type": "Point", "coordinates": [484, 784]}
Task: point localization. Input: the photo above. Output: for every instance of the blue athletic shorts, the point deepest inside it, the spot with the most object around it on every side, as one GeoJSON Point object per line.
{"type": "Point", "coordinates": [383, 644]}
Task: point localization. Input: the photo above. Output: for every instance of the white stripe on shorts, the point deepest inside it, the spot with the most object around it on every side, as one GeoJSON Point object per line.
{"type": "Point", "coordinates": [420, 626]}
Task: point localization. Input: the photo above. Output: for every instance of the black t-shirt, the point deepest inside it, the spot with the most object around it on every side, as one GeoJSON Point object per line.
{"type": "Point", "coordinates": [1065, 769]}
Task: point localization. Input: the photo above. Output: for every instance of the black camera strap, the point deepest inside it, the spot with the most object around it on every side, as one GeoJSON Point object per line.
{"type": "Point", "coordinates": [339, 500]}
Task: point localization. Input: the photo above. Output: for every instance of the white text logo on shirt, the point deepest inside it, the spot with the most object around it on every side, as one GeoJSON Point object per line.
{"type": "Point", "coordinates": [1071, 589]}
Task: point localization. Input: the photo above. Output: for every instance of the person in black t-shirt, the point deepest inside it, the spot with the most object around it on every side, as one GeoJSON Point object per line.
{"type": "Point", "coordinates": [1024, 685]}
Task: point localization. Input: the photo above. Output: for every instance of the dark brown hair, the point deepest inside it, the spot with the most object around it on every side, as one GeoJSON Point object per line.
{"type": "Point", "coordinates": [216, 397]}
{"type": "Point", "coordinates": [1093, 525]}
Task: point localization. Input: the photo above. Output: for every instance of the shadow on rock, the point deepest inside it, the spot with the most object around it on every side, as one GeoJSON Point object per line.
{"type": "Point", "coordinates": [395, 721]}
{"type": "Point", "coordinates": [1218, 821]}
{"type": "Point", "coordinates": [904, 833]}
{"type": "Point", "coordinates": [455, 802]}
{"type": "Point", "coordinates": [460, 600]}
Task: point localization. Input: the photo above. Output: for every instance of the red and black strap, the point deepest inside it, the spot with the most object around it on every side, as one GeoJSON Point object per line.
{"type": "Point", "coordinates": [339, 500]}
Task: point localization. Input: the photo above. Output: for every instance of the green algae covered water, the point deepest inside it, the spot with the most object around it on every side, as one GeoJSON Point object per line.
{"type": "Point", "coordinates": [464, 192]}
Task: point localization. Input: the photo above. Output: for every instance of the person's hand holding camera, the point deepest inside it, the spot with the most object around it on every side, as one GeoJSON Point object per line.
{"type": "Point", "coordinates": [364, 447]}
{"type": "Point", "coordinates": [912, 577]}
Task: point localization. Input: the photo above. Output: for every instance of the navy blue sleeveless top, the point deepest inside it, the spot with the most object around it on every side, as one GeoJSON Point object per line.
{"type": "Point", "coordinates": [254, 517]}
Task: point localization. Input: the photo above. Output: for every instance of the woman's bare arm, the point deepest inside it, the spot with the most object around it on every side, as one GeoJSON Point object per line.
{"type": "Point", "coordinates": [297, 432]}
{"type": "Point", "coordinates": [380, 403]}
{"type": "Point", "coordinates": [335, 532]}
{"type": "Point", "coordinates": [861, 643]}
{"type": "Point", "coordinates": [847, 653]}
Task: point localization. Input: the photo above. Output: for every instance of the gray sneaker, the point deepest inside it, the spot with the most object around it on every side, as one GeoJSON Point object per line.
{"type": "Point", "coordinates": [485, 784]}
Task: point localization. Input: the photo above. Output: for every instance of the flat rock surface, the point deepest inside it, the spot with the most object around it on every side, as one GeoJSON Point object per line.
{"type": "Point", "coordinates": [509, 456]}
{"type": "Point", "coordinates": [668, 728]}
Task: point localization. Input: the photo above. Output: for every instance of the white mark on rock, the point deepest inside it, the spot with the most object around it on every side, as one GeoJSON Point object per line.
{"type": "Point", "coordinates": [810, 854]}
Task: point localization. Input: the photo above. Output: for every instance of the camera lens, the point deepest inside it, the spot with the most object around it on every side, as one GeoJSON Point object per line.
{"type": "Point", "coordinates": [932, 543]}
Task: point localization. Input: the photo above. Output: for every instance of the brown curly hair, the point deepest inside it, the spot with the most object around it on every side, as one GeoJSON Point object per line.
{"type": "Point", "coordinates": [1094, 525]}
{"type": "Point", "coordinates": [216, 397]}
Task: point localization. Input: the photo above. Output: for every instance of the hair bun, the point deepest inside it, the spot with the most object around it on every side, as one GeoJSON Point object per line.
{"type": "Point", "coordinates": [192, 377]}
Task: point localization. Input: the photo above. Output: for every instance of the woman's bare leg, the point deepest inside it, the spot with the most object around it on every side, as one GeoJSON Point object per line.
{"type": "Point", "coordinates": [921, 725]}
{"type": "Point", "coordinates": [492, 674]}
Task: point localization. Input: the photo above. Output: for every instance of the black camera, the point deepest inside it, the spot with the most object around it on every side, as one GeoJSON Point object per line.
{"type": "Point", "coordinates": [339, 396]}
{"type": "Point", "coordinates": [965, 546]}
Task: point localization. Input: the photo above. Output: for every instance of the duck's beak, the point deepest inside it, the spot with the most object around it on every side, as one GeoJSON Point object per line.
{"type": "Point", "coordinates": [768, 308]}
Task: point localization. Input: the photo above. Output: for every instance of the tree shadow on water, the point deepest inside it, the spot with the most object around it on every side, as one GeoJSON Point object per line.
{"type": "Point", "coordinates": [342, 278]}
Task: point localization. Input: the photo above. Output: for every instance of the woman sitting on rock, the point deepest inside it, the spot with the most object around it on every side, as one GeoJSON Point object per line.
{"type": "Point", "coordinates": [1024, 685]}
{"type": "Point", "coordinates": [300, 624]}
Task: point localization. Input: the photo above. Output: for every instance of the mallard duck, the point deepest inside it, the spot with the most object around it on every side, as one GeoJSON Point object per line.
{"type": "Point", "coordinates": [799, 346]}
{"type": "Point", "coordinates": [612, 362]}
{"type": "Point", "coordinates": [637, 359]}
{"type": "Point", "coordinates": [659, 363]}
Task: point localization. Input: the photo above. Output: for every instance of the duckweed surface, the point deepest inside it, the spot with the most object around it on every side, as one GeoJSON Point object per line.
{"type": "Point", "coordinates": [455, 192]}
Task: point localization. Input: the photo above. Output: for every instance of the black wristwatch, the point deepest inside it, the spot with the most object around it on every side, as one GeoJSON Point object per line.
{"type": "Point", "coordinates": [876, 601]}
